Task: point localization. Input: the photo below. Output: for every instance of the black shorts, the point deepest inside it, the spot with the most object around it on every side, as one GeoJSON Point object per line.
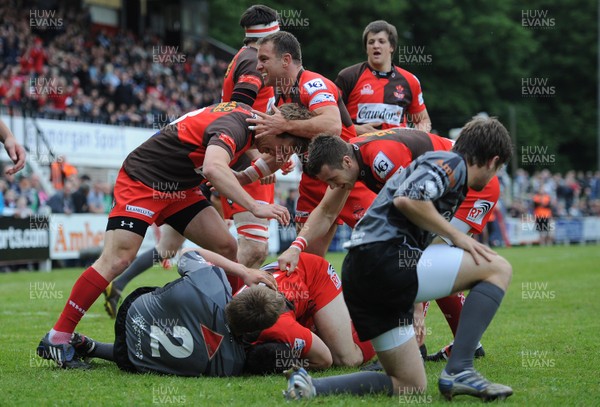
{"type": "Point", "coordinates": [379, 289]}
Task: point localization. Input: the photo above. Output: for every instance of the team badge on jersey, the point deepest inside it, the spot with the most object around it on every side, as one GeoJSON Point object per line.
{"type": "Point", "coordinates": [399, 93]}
{"type": "Point", "coordinates": [382, 165]}
{"type": "Point", "coordinates": [314, 86]}
{"type": "Point", "coordinates": [480, 208]}
{"type": "Point", "coordinates": [212, 340]}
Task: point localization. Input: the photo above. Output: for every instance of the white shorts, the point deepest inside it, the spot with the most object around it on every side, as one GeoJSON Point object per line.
{"type": "Point", "coordinates": [393, 338]}
{"type": "Point", "coordinates": [437, 270]}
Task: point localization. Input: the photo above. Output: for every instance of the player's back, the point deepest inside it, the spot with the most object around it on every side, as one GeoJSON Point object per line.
{"type": "Point", "coordinates": [180, 329]}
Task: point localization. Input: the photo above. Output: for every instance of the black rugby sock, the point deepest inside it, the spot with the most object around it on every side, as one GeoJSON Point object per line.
{"type": "Point", "coordinates": [357, 384]}
{"type": "Point", "coordinates": [477, 313]}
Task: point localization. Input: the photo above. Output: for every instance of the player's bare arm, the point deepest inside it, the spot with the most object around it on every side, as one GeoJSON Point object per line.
{"type": "Point", "coordinates": [424, 215]}
{"type": "Point", "coordinates": [317, 225]}
{"type": "Point", "coordinates": [216, 170]}
{"type": "Point", "coordinates": [327, 120]}
{"type": "Point", "coordinates": [422, 121]}
{"type": "Point", "coordinates": [248, 275]}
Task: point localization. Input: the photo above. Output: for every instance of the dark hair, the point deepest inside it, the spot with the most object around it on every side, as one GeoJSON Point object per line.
{"type": "Point", "coordinates": [254, 309]}
{"type": "Point", "coordinates": [257, 14]}
{"type": "Point", "coordinates": [284, 43]}
{"type": "Point", "coordinates": [482, 139]}
{"type": "Point", "coordinates": [379, 26]}
{"type": "Point", "coordinates": [325, 149]}
{"type": "Point", "coordinates": [270, 357]}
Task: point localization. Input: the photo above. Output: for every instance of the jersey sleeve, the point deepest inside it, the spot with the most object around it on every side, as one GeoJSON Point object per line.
{"type": "Point", "coordinates": [319, 92]}
{"type": "Point", "coordinates": [433, 178]}
{"type": "Point", "coordinates": [248, 82]}
{"type": "Point", "coordinates": [417, 105]}
{"type": "Point", "coordinates": [228, 133]}
{"type": "Point", "coordinates": [288, 330]}
{"type": "Point", "coordinates": [478, 206]}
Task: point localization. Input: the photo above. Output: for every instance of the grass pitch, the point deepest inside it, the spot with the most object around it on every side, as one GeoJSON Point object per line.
{"type": "Point", "coordinates": [542, 343]}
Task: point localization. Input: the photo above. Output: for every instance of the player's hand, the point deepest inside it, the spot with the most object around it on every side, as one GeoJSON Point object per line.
{"type": "Point", "coordinates": [367, 128]}
{"type": "Point", "coordinates": [273, 211]}
{"type": "Point", "coordinates": [16, 152]}
{"type": "Point", "coordinates": [288, 166]}
{"type": "Point", "coordinates": [267, 124]}
{"type": "Point", "coordinates": [254, 276]}
{"type": "Point", "coordinates": [479, 251]}
{"type": "Point", "coordinates": [269, 179]}
{"type": "Point", "coordinates": [288, 260]}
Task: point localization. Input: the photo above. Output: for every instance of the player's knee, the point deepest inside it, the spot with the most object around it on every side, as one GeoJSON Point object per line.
{"type": "Point", "coordinates": [227, 248]}
{"type": "Point", "coordinates": [252, 254]}
{"type": "Point", "coordinates": [503, 270]}
{"type": "Point", "coordinates": [351, 359]}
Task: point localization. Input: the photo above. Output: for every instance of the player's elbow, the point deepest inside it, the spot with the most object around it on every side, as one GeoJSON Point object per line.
{"type": "Point", "coordinates": [210, 170]}
{"type": "Point", "coordinates": [321, 361]}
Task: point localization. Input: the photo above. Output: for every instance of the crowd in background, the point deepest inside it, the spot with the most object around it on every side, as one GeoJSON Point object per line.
{"type": "Point", "coordinates": [70, 73]}
{"type": "Point", "coordinates": [73, 74]}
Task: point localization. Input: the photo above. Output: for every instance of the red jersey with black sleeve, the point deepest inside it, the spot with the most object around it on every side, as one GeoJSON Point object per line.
{"type": "Point", "coordinates": [313, 90]}
{"type": "Point", "coordinates": [380, 154]}
{"type": "Point", "coordinates": [172, 159]}
{"type": "Point", "coordinates": [313, 284]}
{"type": "Point", "coordinates": [372, 96]}
{"type": "Point", "coordinates": [243, 83]}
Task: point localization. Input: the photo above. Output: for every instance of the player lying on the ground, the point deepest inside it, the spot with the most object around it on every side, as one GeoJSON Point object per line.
{"type": "Point", "coordinates": [390, 266]}
{"type": "Point", "coordinates": [371, 160]}
{"type": "Point", "coordinates": [317, 324]}
{"type": "Point", "coordinates": [158, 183]}
{"type": "Point", "coordinates": [193, 327]}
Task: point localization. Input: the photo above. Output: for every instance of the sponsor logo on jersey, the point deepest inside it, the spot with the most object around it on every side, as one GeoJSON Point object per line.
{"type": "Point", "coordinates": [480, 208]}
{"type": "Point", "coordinates": [228, 141]}
{"type": "Point", "coordinates": [299, 344]}
{"type": "Point", "coordinates": [382, 165]}
{"type": "Point", "coordinates": [314, 86]}
{"type": "Point", "coordinates": [366, 89]}
{"type": "Point", "coordinates": [399, 92]}
{"type": "Point", "coordinates": [322, 98]}
{"type": "Point", "coordinates": [140, 210]}
{"type": "Point", "coordinates": [334, 277]}
{"type": "Point", "coordinates": [379, 112]}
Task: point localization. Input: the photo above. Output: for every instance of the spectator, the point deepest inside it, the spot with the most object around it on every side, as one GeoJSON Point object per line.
{"type": "Point", "coordinates": [62, 200]}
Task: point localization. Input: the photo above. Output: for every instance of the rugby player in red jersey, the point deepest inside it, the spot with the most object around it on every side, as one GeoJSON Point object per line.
{"type": "Point", "coordinates": [379, 94]}
{"type": "Point", "coordinates": [280, 63]}
{"type": "Point", "coordinates": [159, 183]}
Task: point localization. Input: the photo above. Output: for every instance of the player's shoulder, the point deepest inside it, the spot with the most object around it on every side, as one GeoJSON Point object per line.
{"type": "Point", "coordinates": [353, 69]}
{"type": "Point", "coordinates": [312, 81]}
{"type": "Point", "coordinates": [407, 74]}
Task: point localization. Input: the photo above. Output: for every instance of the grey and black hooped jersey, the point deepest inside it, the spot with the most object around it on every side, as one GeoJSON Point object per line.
{"type": "Point", "coordinates": [180, 328]}
{"type": "Point", "coordinates": [436, 176]}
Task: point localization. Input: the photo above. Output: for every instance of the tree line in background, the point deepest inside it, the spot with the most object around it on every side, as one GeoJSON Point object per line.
{"type": "Point", "coordinates": [532, 65]}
